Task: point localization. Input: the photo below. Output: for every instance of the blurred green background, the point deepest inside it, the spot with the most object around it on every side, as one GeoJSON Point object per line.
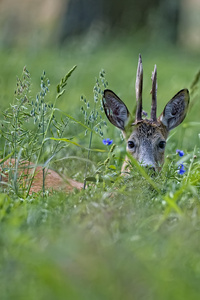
{"type": "Point", "coordinates": [94, 245]}
{"type": "Point", "coordinates": [54, 36]}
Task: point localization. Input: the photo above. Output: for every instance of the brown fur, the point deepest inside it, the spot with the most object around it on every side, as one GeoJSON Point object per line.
{"type": "Point", "coordinates": [53, 181]}
{"type": "Point", "coordinates": [146, 136]}
{"type": "Point", "coordinates": [147, 128]}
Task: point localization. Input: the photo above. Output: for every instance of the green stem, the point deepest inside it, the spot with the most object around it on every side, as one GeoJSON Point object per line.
{"type": "Point", "coordinates": [89, 150]}
{"type": "Point", "coordinates": [86, 167]}
{"type": "Point", "coordinates": [43, 170]}
{"type": "Point", "coordinates": [59, 93]}
{"type": "Point", "coordinates": [40, 150]}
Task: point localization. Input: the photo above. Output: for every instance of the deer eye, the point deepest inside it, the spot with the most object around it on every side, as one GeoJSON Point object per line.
{"type": "Point", "coordinates": [131, 144]}
{"type": "Point", "coordinates": [162, 144]}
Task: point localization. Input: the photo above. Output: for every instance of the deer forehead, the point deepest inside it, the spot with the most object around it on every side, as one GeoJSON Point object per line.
{"type": "Point", "coordinates": [149, 130]}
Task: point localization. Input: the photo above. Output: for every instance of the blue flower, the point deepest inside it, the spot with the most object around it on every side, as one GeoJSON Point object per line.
{"type": "Point", "coordinates": [180, 152]}
{"type": "Point", "coordinates": [107, 142]}
{"type": "Point", "coordinates": [181, 170]}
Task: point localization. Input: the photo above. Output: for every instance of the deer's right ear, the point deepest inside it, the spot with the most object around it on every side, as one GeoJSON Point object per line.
{"type": "Point", "coordinates": [176, 109]}
{"type": "Point", "coordinates": [115, 109]}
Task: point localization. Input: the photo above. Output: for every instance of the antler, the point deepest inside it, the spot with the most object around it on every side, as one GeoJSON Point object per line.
{"type": "Point", "coordinates": [138, 89]}
{"type": "Point", "coordinates": [154, 95]}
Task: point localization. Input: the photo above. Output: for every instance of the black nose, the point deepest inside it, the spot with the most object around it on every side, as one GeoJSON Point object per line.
{"type": "Point", "coordinates": [151, 169]}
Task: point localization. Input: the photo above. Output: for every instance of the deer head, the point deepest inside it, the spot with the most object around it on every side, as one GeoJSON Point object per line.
{"type": "Point", "coordinates": [146, 138]}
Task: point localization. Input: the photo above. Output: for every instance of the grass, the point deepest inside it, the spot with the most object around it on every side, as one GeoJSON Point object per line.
{"type": "Point", "coordinates": [120, 238]}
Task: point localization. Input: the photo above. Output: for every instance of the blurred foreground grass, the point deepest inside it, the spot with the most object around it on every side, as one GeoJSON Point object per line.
{"type": "Point", "coordinates": [100, 244]}
{"type": "Point", "coordinates": [88, 246]}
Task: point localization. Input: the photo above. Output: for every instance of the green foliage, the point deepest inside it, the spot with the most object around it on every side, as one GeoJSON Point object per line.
{"type": "Point", "coordinates": [93, 116]}
{"type": "Point", "coordinates": [28, 130]}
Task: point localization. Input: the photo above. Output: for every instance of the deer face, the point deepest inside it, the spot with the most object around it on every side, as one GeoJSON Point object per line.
{"type": "Point", "coordinates": [146, 138]}
{"type": "Point", "coordinates": [147, 144]}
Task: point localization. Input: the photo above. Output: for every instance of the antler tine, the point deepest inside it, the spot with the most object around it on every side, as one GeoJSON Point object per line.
{"type": "Point", "coordinates": [154, 95]}
{"type": "Point", "coordinates": [138, 89]}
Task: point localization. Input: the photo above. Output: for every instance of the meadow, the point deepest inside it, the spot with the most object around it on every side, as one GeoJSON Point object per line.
{"type": "Point", "coordinates": [121, 238]}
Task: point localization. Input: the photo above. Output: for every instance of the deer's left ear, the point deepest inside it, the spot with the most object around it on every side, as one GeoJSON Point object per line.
{"type": "Point", "coordinates": [115, 109]}
{"type": "Point", "coordinates": [176, 109]}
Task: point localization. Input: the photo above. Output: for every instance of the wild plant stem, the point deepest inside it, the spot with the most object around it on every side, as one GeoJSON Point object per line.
{"type": "Point", "coordinates": [60, 91]}
{"type": "Point", "coordinates": [15, 144]}
{"type": "Point", "coordinates": [15, 151]}
{"type": "Point", "coordinates": [90, 144]}
{"type": "Point", "coordinates": [88, 156]}
{"type": "Point", "coordinates": [43, 169]}
{"type": "Point", "coordinates": [40, 150]}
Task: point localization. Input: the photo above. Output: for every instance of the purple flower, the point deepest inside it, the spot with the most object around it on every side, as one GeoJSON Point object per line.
{"type": "Point", "coordinates": [181, 170]}
{"type": "Point", "coordinates": [107, 142]}
{"type": "Point", "coordinates": [180, 152]}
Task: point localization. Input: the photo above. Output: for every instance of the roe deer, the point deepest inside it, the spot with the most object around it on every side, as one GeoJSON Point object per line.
{"type": "Point", "coordinates": [146, 138]}
{"type": "Point", "coordinates": [53, 181]}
